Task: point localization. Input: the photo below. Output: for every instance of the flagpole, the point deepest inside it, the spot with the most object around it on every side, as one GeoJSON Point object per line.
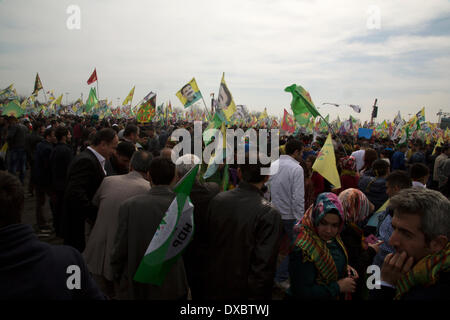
{"type": "Point", "coordinates": [206, 108]}
{"type": "Point", "coordinates": [331, 128]}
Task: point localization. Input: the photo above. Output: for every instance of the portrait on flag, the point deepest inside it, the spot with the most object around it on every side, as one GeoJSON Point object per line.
{"type": "Point", "coordinates": [225, 100]}
{"type": "Point", "coordinates": [189, 94]}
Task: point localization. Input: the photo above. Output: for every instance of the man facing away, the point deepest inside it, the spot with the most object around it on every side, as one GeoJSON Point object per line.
{"type": "Point", "coordinates": [139, 218]}
{"type": "Point", "coordinates": [29, 268]}
{"type": "Point", "coordinates": [112, 192]}
{"type": "Point", "coordinates": [419, 269]}
{"type": "Point", "coordinates": [243, 234]}
{"type": "Point", "coordinates": [287, 193]}
{"type": "Point", "coordinates": [201, 195]}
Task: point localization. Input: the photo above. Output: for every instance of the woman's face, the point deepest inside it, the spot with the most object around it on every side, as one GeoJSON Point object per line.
{"type": "Point", "coordinates": [328, 227]}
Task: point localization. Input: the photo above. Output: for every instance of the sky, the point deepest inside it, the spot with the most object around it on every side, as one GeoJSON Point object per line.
{"type": "Point", "coordinates": [345, 52]}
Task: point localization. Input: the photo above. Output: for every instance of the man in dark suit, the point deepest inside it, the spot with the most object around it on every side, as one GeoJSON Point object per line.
{"type": "Point", "coordinates": [85, 175]}
{"type": "Point", "coordinates": [139, 218]}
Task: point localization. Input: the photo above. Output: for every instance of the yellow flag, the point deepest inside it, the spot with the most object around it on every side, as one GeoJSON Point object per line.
{"type": "Point", "coordinates": [225, 101]}
{"type": "Point", "coordinates": [438, 144]}
{"type": "Point", "coordinates": [263, 115]}
{"type": "Point", "coordinates": [58, 101]}
{"type": "Point", "coordinates": [325, 163]}
{"type": "Point", "coordinates": [129, 98]}
{"type": "Point", "coordinates": [189, 94]}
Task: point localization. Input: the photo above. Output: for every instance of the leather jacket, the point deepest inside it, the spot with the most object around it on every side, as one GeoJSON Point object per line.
{"type": "Point", "coordinates": [243, 236]}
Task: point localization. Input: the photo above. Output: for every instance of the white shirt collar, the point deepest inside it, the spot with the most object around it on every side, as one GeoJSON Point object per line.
{"type": "Point", "coordinates": [99, 157]}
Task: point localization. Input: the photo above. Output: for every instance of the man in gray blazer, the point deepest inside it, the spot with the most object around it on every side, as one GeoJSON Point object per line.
{"type": "Point", "coordinates": [139, 218]}
{"type": "Point", "coordinates": [112, 192]}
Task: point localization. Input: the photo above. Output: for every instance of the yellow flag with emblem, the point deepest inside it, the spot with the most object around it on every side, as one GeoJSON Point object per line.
{"type": "Point", "coordinates": [325, 163]}
{"type": "Point", "coordinates": [225, 100]}
{"type": "Point", "coordinates": [129, 98]}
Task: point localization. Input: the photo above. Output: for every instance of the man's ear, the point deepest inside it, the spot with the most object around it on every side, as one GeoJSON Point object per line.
{"type": "Point", "coordinates": [438, 243]}
{"type": "Point", "coordinates": [266, 178]}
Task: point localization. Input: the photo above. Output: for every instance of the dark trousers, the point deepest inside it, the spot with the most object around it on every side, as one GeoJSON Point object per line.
{"type": "Point", "coordinates": [56, 200]}
{"type": "Point", "coordinates": [16, 162]}
{"type": "Point", "coordinates": [41, 196]}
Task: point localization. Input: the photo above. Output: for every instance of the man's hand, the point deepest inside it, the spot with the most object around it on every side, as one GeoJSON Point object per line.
{"type": "Point", "coordinates": [347, 285]}
{"type": "Point", "coordinates": [352, 273]}
{"type": "Point", "coordinates": [395, 266]}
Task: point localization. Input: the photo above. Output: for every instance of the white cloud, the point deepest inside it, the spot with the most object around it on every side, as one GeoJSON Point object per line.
{"type": "Point", "coordinates": [262, 45]}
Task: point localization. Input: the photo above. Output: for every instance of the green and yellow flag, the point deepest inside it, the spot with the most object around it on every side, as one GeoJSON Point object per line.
{"type": "Point", "coordinates": [129, 98]}
{"type": "Point", "coordinates": [325, 163]}
{"type": "Point", "coordinates": [189, 94]}
{"type": "Point", "coordinates": [301, 101]}
{"type": "Point", "coordinates": [92, 100]}
{"type": "Point", "coordinates": [225, 100]}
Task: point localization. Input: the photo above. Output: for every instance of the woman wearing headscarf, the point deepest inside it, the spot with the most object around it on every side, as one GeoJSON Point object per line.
{"type": "Point", "coordinates": [357, 208]}
{"type": "Point", "coordinates": [349, 176]}
{"type": "Point", "coordinates": [318, 263]}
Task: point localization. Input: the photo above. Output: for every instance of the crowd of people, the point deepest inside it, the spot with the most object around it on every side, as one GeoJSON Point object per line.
{"type": "Point", "coordinates": [110, 182]}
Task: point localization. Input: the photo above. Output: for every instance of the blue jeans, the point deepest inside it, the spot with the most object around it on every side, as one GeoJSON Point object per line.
{"type": "Point", "coordinates": [17, 159]}
{"type": "Point", "coordinates": [282, 273]}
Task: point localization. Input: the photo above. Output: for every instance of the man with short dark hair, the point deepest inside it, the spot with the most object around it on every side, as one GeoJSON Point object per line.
{"type": "Point", "coordinates": [85, 175]}
{"type": "Point", "coordinates": [119, 162]}
{"type": "Point", "coordinates": [287, 193]}
{"type": "Point", "coordinates": [112, 192]}
{"type": "Point", "coordinates": [395, 182]}
{"type": "Point", "coordinates": [131, 134]}
{"type": "Point", "coordinates": [29, 268]}
{"type": "Point", "coordinates": [398, 158]}
{"type": "Point", "coordinates": [419, 269]}
{"type": "Point", "coordinates": [139, 219]}
{"type": "Point", "coordinates": [419, 175]}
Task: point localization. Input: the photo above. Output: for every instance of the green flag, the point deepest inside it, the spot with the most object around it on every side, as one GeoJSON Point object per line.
{"type": "Point", "coordinates": [301, 101]}
{"type": "Point", "coordinates": [92, 100]}
{"type": "Point", "coordinates": [171, 237]}
{"type": "Point", "coordinates": [303, 118]}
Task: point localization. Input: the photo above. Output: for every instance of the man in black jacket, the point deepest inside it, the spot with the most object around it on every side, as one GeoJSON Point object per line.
{"type": "Point", "coordinates": [420, 267]}
{"type": "Point", "coordinates": [60, 159]}
{"type": "Point", "coordinates": [201, 195]}
{"type": "Point", "coordinates": [243, 234]}
{"type": "Point", "coordinates": [16, 156]}
{"type": "Point", "coordinates": [31, 269]}
{"type": "Point", "coordinates": [86, 173]}
{"type": "Point", "coordinates": [42, 174]}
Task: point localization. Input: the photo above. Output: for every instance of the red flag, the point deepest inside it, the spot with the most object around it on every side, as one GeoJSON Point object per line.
{"type": "Point", "coordinates": [93, 77]}
{"type": "Point", "coordinates": [288, 122]}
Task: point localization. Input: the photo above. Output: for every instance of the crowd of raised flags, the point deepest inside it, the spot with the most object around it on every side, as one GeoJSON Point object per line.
{"type": "Point", "coordinates": [305, 118]}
